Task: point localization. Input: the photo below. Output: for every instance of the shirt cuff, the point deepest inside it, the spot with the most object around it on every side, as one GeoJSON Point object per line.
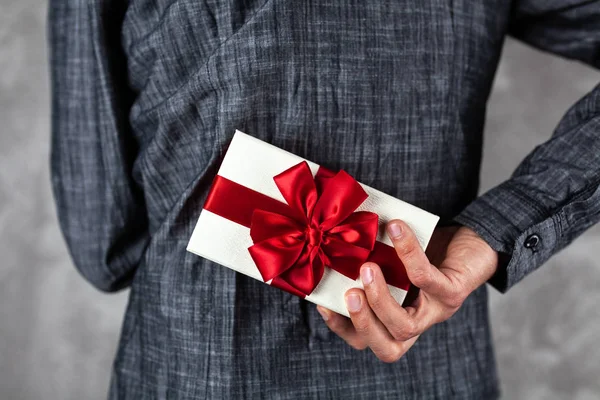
{"type": "Point", "coordinates": [513, 224]}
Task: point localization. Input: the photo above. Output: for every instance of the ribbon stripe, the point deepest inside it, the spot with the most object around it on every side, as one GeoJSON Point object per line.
{"type": "Point", "coordinates": [230, 200]}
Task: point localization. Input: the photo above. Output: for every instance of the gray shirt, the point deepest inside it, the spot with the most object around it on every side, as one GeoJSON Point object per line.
{"type": "Point", "coordinates": [146, 96]}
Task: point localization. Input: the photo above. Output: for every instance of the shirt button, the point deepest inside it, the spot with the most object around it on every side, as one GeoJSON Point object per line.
{"type": "Point", "coordinates": [532, 241]}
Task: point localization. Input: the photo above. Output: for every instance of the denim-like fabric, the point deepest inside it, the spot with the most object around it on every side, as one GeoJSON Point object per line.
{"type": "Point", "coordinates": [146, 96]}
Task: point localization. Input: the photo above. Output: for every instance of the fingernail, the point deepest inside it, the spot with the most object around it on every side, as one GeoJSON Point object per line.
{"type": "Point", "coordinates": [353, 302]}
{"type": "Point", "coordinates": [366, 274]}
{"type": "Point", "coordinates": [323, 313]}
{"type": "Point", "coordinates": [395, 230]}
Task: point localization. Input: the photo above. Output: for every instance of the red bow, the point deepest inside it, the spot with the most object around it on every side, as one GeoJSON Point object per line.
{"type": "Point", "coordinates": [317, 229]}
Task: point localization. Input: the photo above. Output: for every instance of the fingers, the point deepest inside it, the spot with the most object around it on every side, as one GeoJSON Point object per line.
{"type": "Point", "coordinates": [418, 268]}
{"type": "Point", "coordinates": [364, 329]}
{"type": "Point", "coordinates": [342, 327]}
{"type": "Point", "coordinates": [370, 329]}
{"type": "Point", "coordinates": [401, 324]}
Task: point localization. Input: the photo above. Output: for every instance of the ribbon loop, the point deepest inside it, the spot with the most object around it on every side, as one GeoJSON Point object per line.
{"type": "Point", "coordinates": [319, 229]}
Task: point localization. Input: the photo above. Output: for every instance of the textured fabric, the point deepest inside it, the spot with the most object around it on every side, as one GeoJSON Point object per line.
{"type": "Point", "coordinates": [146, 96]}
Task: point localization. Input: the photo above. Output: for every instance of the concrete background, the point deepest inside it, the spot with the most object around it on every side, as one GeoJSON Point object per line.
{"type": "Point", "coordinates": [58, 335]}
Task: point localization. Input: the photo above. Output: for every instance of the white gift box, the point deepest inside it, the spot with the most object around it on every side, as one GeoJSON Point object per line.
{"type": "Point", "coordinates": [251, 165]}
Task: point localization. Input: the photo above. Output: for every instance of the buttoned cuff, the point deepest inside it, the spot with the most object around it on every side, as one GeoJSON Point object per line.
{"type": "Point", "coordinates": [514, 225]}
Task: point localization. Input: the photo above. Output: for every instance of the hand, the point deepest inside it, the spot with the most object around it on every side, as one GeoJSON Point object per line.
{"type": "Point", "coordinates": [457, 262]}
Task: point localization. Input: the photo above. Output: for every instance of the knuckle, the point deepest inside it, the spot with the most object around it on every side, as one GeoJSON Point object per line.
{"type": "Point", "coordinates": [421, 276]}
{"type": "Point", "coordinates": [357, 345]}
{"type": "Point", "coordinates": [374, 298]}
{"type": "Point", "coordinates": [361, 325]}
{"type": "Point", "coordinates": [406, 331]}
{"type": "Point", "coordinates": [407, 248]}
{"type": "Point", "coordinates": [455, 299]}
{"type": "Point", "coordinates": [334, 325]}
{"type": "Point", "coordinates": [412, 328]}
{"type": "Point", "coordinates": [399, 335]}
{"type": "Point", "coordinates": [390, 356]}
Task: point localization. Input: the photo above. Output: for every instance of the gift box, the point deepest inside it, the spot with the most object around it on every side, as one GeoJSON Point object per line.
{"type": "Point", "coordinates": [293, 224]}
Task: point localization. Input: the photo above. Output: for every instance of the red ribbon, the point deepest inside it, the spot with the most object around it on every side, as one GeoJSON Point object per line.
{"type": "Point", "coordinates": [317, 228]}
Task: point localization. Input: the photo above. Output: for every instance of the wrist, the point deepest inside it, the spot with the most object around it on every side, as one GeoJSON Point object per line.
{"type": "Point", "coordinates": [484, 256]}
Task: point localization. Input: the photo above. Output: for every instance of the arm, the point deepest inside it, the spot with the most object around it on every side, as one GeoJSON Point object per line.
{"type": "Point", "coordinates": [554, 195]}
{"type": "Point", "coordinates": [101, 210]}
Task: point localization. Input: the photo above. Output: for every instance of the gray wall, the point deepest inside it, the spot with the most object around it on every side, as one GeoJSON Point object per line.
{"type": "Point", "coordinates": [58, 335]}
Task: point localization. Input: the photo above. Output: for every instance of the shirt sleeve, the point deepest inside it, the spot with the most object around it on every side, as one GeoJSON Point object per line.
{"type": "Point", "coordinates": [100, 208]}
{"type": "Point", "coordinates": [554, 194]}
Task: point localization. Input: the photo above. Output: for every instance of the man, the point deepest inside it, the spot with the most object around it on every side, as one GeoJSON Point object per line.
{"type": "Point", "coordinates": [146, 97]}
